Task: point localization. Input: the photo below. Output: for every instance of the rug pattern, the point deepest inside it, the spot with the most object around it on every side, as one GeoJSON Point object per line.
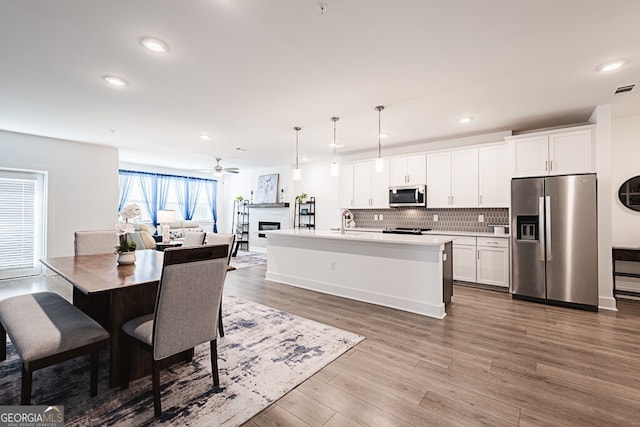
{"type": "Point", "coordinates": [248, 259]}
{"type": "Point", "coordinates": [264, 354]}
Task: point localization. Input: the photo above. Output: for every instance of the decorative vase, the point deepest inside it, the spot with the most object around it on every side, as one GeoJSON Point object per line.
{"type": "Point", "coordinates": [126, 258]}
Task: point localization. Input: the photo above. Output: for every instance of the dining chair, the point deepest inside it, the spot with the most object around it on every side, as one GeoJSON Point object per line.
{"type": "Point", "coordinates": [95, 242]}
{"type": "Point", "coordinates": [229, 239]}
{"type": "Point", "coordinates": [185, 314]}
{"type": "Point", "coordinates": [193, 238]}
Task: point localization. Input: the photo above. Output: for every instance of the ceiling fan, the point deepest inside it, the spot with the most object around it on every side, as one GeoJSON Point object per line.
{"type": "Point", "coordinates": [219, 170]}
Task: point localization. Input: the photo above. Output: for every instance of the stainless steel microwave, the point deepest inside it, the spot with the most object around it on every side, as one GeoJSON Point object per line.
{"type": "Point", "coordinates": [409, 196]}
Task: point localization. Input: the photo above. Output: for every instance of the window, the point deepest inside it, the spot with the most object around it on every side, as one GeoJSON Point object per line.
{"type": "Point", "coordinates": [191, 198]}
{"type": "Point", "coordinates": [21, 223]}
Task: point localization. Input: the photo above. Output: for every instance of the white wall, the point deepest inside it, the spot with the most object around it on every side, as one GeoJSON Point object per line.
{"type": "Point", "coordinates": [82, 184]}
{"type": "Point", "coordinates": [626, 154]}
{"type": "Point", "coordinates": [603, 144]}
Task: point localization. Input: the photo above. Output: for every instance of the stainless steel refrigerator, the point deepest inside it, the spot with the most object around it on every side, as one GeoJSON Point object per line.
{"type": "Point", "coordinates": [554, 240]}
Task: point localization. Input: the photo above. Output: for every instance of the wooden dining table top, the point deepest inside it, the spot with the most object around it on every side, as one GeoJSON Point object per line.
{"type": "Point", "coordinates": [101, 273]}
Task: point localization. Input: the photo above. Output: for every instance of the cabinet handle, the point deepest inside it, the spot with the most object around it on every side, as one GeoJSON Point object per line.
{"type": "Point", "coordinates": [478, 252]}
{"type": "Point", "coordinates": [546, 165]}
{"type": "Point", "coordinates": [551, 165]}
{"type": "Point", "coordinates": [481, 199]}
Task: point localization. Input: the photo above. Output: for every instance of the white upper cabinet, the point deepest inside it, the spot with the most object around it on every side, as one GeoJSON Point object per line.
{"type": "Point", "coordinates": [557, 153]}
{"type": "Point", "coordinates": [494, 176]}
{"type": "Point", "coordinates": [452, 179]}
{"type": "Point", "coordinates": [370, 188]}
{"type": "Point", "coordinates": [345, 191]}
{"type": "Point", "coordinates": [408, 170]}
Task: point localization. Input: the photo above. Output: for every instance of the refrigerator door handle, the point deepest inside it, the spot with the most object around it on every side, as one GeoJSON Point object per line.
{"type": "Point", "coordinates": [540, 231]}
{"type": "Point", "coordinates": [547, 231]}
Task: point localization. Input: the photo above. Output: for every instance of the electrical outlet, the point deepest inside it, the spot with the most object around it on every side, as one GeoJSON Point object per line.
{"type": "Point", "coordinates": [375, 217]}
{"type": "Point", "coordinates": [480, 218]}
{"type": "Point", "coordinates": [435, 218]}
{"type": "Point", "coordinates": [380, 217]}
{"type": "Point", "coordinates": [332, 266]}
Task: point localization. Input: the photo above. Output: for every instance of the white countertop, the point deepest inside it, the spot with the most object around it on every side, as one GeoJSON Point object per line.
{"type": "Point", "coordinates": [351, 235]}
{"type": "Point", "coordinates": [432, 232]}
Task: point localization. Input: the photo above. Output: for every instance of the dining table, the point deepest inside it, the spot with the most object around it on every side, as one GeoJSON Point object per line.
{"type": "Point", "coordinates": [113, 294]}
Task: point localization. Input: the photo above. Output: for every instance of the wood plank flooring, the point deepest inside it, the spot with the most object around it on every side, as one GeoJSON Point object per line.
{"type": "Point", "coordinates": [492, 361]}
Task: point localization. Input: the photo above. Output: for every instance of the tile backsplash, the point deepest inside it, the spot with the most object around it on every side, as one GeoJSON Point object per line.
{"type": "Point", "coordinates": [448, 219]}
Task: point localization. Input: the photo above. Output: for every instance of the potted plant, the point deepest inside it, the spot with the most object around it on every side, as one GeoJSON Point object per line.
{"type": "Point", "coordinates": [126, 249]}
{"type": "Point", "coordinates": [301, 198]}
{"type": "Point", "coordinates": [239, 198]}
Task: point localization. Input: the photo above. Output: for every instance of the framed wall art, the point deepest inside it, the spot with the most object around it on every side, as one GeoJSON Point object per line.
{"type": "Point", "coordinates": [267, 189]}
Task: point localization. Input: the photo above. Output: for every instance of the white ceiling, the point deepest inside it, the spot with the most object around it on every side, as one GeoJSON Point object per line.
{"type": "Point", "coordinates": [248, 71]}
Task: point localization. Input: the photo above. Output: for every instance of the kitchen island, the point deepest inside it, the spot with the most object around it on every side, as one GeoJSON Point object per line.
{"type": "Point", "coordinates": [408, 272]}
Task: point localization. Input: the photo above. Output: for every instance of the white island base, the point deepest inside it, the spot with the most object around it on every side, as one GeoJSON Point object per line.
{"type": "Point", "coordinates": [398, 271]}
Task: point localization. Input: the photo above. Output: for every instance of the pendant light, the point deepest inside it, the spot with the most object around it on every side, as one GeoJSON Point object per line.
{"type": "Point", "coordinates": [335, 167]}
{"type": "Point", "coordinates": [297, 173]}
{"type": "Point", "coordinates": [379, 160]}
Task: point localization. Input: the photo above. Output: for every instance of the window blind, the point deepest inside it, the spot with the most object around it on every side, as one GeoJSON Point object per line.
{"type": "Point", "coordinates": [20, 219]}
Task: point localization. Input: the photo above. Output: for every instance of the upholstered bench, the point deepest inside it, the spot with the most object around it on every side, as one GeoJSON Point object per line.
{"type": "Point", "coordinates": [46, 329]}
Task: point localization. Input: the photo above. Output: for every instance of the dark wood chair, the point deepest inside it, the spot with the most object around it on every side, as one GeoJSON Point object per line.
{"type": "Point", "coordinates": [186, 311]}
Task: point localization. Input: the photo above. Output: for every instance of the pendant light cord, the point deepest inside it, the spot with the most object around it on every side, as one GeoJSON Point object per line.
{"type": "Point", "coordinates": [297, 129]}
{"type": "Point", "coordinates": [379, 108]}
{"type": "Point", "coordinates": [334, 120]}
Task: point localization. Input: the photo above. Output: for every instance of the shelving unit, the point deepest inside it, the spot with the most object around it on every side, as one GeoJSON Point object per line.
{"type": "Point", "coordinates": [240, 224]}
{"type": "Point", "coordinates": [305, 214]}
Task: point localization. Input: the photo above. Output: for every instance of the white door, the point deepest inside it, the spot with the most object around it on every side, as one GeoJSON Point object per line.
{"type": "Point", "coordinates": [464, 263]}
{"type": "Point", "coordinates": [345, 190]}
{"type": "Point", "coordinates": [398, 171]}
{"type": "Point", "coordinates": [22, 225]}
{"type": "Point", "coordinates": [439, 180]}
{"type": "Point", "coordinates": [464, 178]}
{"type": "Point", "coordinates": [416, 170]}
{"type": "Point", "coordinates": [493, 266]}
{"type": "Point", "coordinates": [530, 156]}
{"type": "Point", "coordinates": [362, 184]}
{"type": "Point", "coordinates": [380, 187]}
{"type": "Point", "coordinates": [571, 152]}
{"type": "Point", "coordinates": [494, 176]}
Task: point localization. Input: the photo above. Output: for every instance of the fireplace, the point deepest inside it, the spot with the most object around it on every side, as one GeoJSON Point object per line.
{"type": "Point", "coordinates": [267, 225]}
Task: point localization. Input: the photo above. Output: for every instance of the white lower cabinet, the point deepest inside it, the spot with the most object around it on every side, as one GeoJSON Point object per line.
{"type": "Point", "coordinates": [464, 259]}
{"type": "Point", "coordinates": [492, 261]}
{"type": "Point", "coordinates": [481, 260]}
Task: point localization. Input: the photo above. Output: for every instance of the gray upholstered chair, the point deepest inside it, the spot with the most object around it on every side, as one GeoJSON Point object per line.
{"type": "Point", "coordinates": [186, 311]}
{"type": "Point", "coordinates": [142, 239]}
{"type": "Point", "coordinates": [95, 242]}
{"type": "Point", "coordinates": [221, 238]}
{"type": "Point", "coordinates": [193, 238]}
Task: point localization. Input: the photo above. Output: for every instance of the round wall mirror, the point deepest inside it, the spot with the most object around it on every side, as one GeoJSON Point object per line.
{"type": "Point", "coordinates": [629, 193]}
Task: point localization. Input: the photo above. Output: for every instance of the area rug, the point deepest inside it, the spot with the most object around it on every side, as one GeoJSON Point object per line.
{"type": "Point", "coordinates": [248, 259]}
{"type": "Point", "coordinates": [264, 354]}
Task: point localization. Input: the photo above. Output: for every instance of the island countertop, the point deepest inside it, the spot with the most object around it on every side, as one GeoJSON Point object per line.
{"type": "Point", "coordinates": [406, 239]}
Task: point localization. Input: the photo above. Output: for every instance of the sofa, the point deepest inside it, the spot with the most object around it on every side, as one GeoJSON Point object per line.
{"type": "Point", "coordinates": [179, 228]}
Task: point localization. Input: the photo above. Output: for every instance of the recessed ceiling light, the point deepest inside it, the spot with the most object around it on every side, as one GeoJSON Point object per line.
{"type": "Point", "coordinates": [384, 135]}
{"type": "Point", "coordinates": [115, 80]}
{"type": "Point", "coordinates": [154, 45]}
{"type": "Point", "coordinates": [337, 145]}
{"type": "Point", "coordinates": [304, 159]}
{"type": "Point", "coordinates": [465, 120]}
{"type": "Point", "coordinates": [205, 136]}
{"type": "Point", "coordinates": [613, 65]}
